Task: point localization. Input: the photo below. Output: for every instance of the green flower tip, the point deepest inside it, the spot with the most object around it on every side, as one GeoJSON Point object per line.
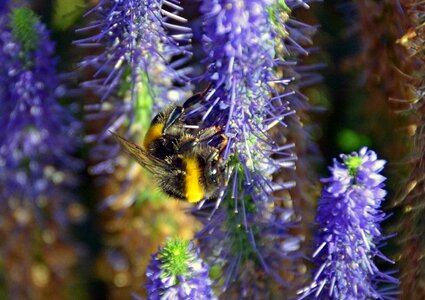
{"type": "Point", "coordinates": [22, 22]}
{"type": "Point", "coordinates": [279, 12]}
{"type": "Point", "coordinates": [283, 6]}
{"type": "Point", "coordinates": [353, 162]}
{"type": "Point", "coordinates": [175, 258]}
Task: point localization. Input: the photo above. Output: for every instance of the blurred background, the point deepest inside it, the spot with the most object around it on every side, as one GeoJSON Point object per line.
{"type": "Point", "coordinates": [361, 97]}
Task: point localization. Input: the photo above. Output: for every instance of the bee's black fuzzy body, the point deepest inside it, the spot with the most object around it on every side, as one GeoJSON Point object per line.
{"type": "Point", "coordinates": [182, 160]}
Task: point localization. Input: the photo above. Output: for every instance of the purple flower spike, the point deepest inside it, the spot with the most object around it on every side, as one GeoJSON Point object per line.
{"type": "Point", "coordinates": [133, 74]}
{"type": "Point", "coordinates": [134, 35]}
{"type": "Point", "coordinates": [240, 45]}
{"type": "Point", "coordinates": [349, 217]}
{"type": "Point", "coordinates": [140, 69]}
{"type": "Point", "coordinates": [247, 231]}
{"type": "Point", "coordinates": [39, 135]}
{"type": "Point", "coordinates": [177, 272]}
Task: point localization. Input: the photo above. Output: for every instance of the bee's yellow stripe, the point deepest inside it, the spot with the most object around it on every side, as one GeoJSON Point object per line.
{"type": "Point", "coordinates": [154, 132]}
{"type": "Point", "coordinates": [193, 188]}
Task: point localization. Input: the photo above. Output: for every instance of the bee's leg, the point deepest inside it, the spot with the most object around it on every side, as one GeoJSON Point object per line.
{"type": "Point", "coordinates": [189, 141]}
{"type": "Point", "coordinates": [213, 156]}
{"type": "Point", "coordinates": [186, 146]}
{"type": "Point", "coordinates": [208, 134]}
{"type": "Point", "coordinates": [223, 143]}
{"type": "Point", "coordinates": [193, 100]}
{"type": "Point", "coordinates": [172, 118]}
{"type": "Point", "coordinates": [196, 98]}
{"type": "Point", "coordinates": [214, 137]}
{"type": "Point", "coordinates": [178, 111]}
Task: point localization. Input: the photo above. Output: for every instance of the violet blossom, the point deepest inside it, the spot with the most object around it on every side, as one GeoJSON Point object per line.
{"type": "Point", "coordinates": [249, 225]}
{"type": "Point", "coordinates": [177, 272]}
{"type": "Point", "coordinates": [39, 135]}
{"type": "Point", "coordinates": [349, 218]}
{"type": "Point", "coordinates": [38, 169]}
{"type": "Point", "coordinates": [134, 77]}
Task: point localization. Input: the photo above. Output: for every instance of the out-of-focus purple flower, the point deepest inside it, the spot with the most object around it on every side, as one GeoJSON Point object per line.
{"type": "Point", "coordinates": [38, 135]}
{"type": "Point", "coordinates": [177, 272]}
{"type": "Point", "coordinates": [38, 139]}
{"type": "Point", "coordinates": [349, 217]}
{"type": "Point", "coordinates": [3, 6]}
{"type": "Point", "coordinates": [133, 74]}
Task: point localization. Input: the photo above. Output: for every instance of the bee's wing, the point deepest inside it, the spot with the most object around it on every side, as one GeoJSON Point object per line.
{"type": "Point", "coordinates": [140, 155]}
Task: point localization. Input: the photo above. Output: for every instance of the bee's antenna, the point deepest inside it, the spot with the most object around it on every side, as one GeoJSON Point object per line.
{"type": "Point", "coordinates": [198, 97]}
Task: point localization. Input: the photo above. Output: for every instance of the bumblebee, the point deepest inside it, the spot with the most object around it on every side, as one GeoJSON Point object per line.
{"type": "Point", "coordinates": [186, 163]}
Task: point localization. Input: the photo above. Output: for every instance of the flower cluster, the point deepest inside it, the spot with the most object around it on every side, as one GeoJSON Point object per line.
{"type": "Point", "coordinates": [38, 141]}
{"type": "Point", "coordinates": [252, 225]}
{"type": "Point", "coordinates": [177, 272]}
{"type": "Point", "coordinates": [39, 135]}
{"type": "Point", "coordinates": [137, 40]}
{"type": "Point", "coordinates": [349, 217]}
{"type": "Point", "coordinates": [245, 148]}
{"type": "Point", "coordinates": [136, 44]}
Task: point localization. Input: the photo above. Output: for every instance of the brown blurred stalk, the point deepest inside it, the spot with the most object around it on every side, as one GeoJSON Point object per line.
{"type": "Point", "coordinates": [385, 69]}
{"type": "Point", "coordinates": [300, 132]}
{"type": "Point", "coordinates": [412, 238]}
